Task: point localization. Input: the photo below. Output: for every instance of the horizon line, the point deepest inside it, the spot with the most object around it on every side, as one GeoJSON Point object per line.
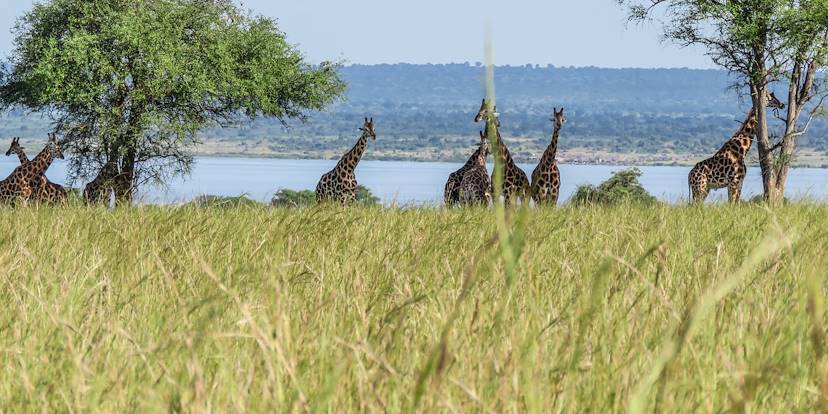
{"type": "Point", "coordinates": [532, 66]}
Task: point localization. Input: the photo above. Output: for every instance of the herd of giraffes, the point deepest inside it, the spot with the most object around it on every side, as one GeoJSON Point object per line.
{"type": "Point", "coordinates": [28, 181]}
{"type": "Point", "coordinates": [470, 185]}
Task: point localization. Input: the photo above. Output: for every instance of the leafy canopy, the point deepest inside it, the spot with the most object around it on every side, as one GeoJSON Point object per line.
{"type": "Point", "coordinates": [622, 187]}
{"type": "Point", "coordinates": [286, 198]}
{"type": "Point", "coordinates": [147, 75]}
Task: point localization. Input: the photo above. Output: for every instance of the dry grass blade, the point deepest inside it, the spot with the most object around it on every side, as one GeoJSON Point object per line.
{"type": "Point", "coordinates": [773, 243]}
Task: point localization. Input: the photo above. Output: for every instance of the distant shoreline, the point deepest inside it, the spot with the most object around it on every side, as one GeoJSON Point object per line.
{"type": "Point", "coordinates": [614, 159]}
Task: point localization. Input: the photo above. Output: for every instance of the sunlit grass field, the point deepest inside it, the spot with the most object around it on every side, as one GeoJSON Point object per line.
{"type": "Point", "coordinates": [602, 309]}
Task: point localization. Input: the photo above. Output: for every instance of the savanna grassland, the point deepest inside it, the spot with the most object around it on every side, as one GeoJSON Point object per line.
{"type": "Point", "coordinates": [602, 309]}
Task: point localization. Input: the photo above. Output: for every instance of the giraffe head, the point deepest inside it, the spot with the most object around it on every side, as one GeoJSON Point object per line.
{"type": "Point", "coordinates": [483, 113]}
{"type": "Point", "coordinates": [55, 147]}
{"type": "Point", "coordinates": [558, 117]}
{"type": "Point", "coordinates": [368, 128]}
{"type": "Point", "coordinates": [774, 102]}
{"type": "Point", "coordinates": [15, 147]}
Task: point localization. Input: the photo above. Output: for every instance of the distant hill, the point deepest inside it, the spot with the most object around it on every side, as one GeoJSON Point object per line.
{"type": "Point", "coordinates": [425, 112]}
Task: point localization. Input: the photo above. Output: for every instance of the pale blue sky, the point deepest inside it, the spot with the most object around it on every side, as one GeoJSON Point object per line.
{"type": "Point", "coordinates": [560, 32]}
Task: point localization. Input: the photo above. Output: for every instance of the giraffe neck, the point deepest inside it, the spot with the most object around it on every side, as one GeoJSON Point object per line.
{"type": "Point", "coordinates": [21, 155]}
{"type": "Point", "coordinates": [475, 158]}
{"type": "Point", "coordinates": [552, 150]}
{"type": "Point", "coordinates": [479, 156]}
{"type": "Point", "coordinates": [743, 139]}
{"type": "Point", "coordinates": [40, 163]}
{"type": "Point", "coordinates": [749, 126]}
{"type": "Point", "coordinates": [503, 152]}
{"type": "Point", "coordinates": [349, 161]}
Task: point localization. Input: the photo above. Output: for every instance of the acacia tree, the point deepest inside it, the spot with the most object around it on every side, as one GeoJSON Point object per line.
{"type": "Point", "coordinates": [761, 42]}
{"type": "Point", "coordinates": [130, 83]}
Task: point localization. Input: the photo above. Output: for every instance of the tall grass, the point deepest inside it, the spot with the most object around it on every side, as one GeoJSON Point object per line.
{"type": "Point", "coordinates": [626, 308]}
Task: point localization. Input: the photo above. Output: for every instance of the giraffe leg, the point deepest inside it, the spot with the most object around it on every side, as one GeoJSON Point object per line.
{"type": "Point", "coordinates": [698, 189]}
{"type": "Point", "coordinates": [734, 191]}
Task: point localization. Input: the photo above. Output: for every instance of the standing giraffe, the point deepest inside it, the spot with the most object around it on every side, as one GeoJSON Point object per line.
{"type": "Point", "coordinates": [546, 178]}
{"type": "Point", "coordinates": [340, 183]}
{"type": "Point", "coordinates": [726, 168]}
{"type": "Point", "coordinates": [42, 188]}
{"type": "Point", "coordinates": [515, 183]}
{"type": "Point", "coordinates": [451, 194]}
{"type": "Point", "coordinates": [475, 187]}
{"type": "Point", "coordinates": [18, 184]}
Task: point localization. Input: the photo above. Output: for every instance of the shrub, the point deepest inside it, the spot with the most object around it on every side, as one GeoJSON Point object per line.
{"type": "Point", "coordinates": [364, 196]}
{"type": "Point", "coordinates": [285, 198]}
{"type": "Point", "coordinates": [623, 186]}
{"type": "Point", "coordinates": [223, 201]}
{"type": "Point", "coordinates": [293, 199]}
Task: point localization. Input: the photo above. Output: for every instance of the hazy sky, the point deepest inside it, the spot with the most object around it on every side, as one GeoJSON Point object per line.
{"type": "Point", "coordinates": [560, 32]}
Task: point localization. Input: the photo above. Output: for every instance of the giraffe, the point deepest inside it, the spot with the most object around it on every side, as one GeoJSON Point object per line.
{"type": "Point", "coordinates": [340, 183]}
{"type": "Point", "coordinates": [451, 194]}
{"type": "Point", "coordinates": [475, 187]}
{"type": "Point", "coordinates": [726, 168]}
{"type": "Point", "coordinates": [515, 183]}
{"type": "Point", "coordinates": [18, 184]}
{"type": "Point", "coordinates": [546, 178]}
{"type": "Point", "coordinates": [42, 188]}
{"type": "Point", "coordinates": [100, 189]}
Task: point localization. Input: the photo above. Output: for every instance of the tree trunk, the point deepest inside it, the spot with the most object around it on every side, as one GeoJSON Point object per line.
{"type": "Point", "coordinates": [801, 80]}
{"type": "Point", "coordinates": [125, 181]}
{"type": "Point", "coordinates": [763, 145]}
{"type": "Point", "coordinates": [788, 144]}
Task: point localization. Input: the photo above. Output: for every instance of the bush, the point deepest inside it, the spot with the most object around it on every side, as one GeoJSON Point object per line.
{"type": "Point", "coordinates": [623, 186]}
{"type": "Point", "coordinates": [293, 199]}
{"type": "Point", "coordinates": [222, 201]}
{"type": "Point", "coordinates": [285, 198]}
{"type": "Point", "coordinates": [365, 198]}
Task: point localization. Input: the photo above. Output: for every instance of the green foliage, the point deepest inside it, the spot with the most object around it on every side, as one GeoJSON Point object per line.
{"type": "Point", "coordinates": [214, 201]}
{"type": "Point", "coordinates": [763, 43]}
{"type": "Point", "coordinates": [305, 198]}
{"type": "Point", "coordinates": [276, 310]}
{"type": "Point", "coordinates": [622, 187]}
{"type": "Point", "coordinates": [365, 197]}
{"type": "Point", "coordinates": [293, 199]}
{"type": "Point", "coordinates": [137, 79]}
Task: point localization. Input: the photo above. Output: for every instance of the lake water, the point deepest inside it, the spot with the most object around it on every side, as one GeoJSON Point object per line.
{"type": "Point", "coordinates": [414, 182]}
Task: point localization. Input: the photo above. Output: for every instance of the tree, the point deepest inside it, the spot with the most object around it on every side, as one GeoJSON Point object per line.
{"type": "Point", "coordinates": [134, 81]}
{"type": "Point", "coordinates": [762, 42]}
{"type": "Point", "coordinates": [623, 186]}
